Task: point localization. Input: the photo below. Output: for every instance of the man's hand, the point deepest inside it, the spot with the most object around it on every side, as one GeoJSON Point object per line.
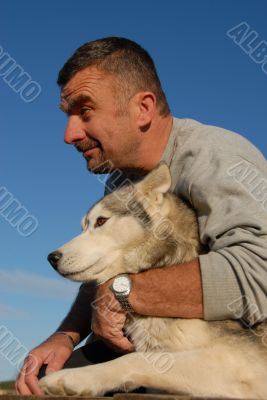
{"type": "Point", "coordinates": [108, 319]}
{"type": "Point", "coordinates": [54, 352]}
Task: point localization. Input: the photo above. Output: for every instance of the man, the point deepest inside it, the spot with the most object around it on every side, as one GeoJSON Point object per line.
{"type": "Point", "coordinates": [120, 120]}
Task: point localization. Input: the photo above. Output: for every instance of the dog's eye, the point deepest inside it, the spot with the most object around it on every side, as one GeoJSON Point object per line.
{"type": "Point", "coordinates": [100, 221]}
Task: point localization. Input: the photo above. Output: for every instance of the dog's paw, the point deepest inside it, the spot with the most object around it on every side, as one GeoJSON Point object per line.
{"type": "Point", "coordinates": [72, 381]}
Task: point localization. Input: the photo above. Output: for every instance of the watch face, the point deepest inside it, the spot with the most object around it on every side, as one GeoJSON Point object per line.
{"type": "Point", "coordinates": [121, 284]}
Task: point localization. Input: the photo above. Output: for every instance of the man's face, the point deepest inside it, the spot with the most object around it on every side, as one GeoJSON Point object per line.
{"type": "Point", "coordinates": [104, 134]}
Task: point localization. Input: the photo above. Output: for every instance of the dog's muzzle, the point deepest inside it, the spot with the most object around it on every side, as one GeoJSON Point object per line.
{"type": "Point", "coordinates": [53, 258]}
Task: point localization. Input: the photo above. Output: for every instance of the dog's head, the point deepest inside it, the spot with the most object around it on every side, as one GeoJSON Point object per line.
{"type": "Point", "coordinates": [127, 231]}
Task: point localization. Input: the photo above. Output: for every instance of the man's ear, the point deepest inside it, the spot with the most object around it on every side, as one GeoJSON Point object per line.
{"type": "Point", "coordinates": [146, 103]}
{"type": "Point", "coordinates": [157, 182]}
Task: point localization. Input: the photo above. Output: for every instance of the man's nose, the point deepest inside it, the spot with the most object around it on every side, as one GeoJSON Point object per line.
{"type": "Point", "coordinates": [54, 257]}
{"type": "Point", "coordinates": [74, 131]}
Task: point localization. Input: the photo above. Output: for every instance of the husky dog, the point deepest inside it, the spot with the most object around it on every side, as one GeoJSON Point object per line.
{"type": "Point", "coordinates": [128, 231]}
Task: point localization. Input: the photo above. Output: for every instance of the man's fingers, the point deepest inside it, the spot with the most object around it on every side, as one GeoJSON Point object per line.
{"type": "Point", "coordinates": [108, 320]}
{"type": "Point", "coordinates": [127, 345]}
{"type": "Point", "coordinates": [120, 345]}
{"type": "Point", "coordinates": [27, 382]}
{"type": "Point", "coordinates": [21, 387]}
{"type": "Point", "coordinates": [33, 365]}
{"type": "Point", "coordinates": [32, 383]}
{"type": "Point", "coordinates": [55, 365]}
{"type": "Point", "coordinates": [53, 352]}
{"type": "Point", "coordinates": [27, 385]}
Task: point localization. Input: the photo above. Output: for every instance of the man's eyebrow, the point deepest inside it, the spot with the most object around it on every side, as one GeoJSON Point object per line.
{"type": "Point", "coordinates": [76, 102]}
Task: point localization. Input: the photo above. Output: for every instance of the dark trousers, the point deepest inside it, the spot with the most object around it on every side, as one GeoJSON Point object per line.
{"type": "Point", "coordinates": [92, 353]}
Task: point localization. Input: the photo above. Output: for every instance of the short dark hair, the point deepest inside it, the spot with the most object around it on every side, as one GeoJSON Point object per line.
{"type": "Point", "coordinates": [122, 57]}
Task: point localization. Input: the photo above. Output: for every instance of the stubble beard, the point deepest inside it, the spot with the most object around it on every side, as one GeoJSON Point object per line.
{"type": "Point", "coordinates": [97, 164]}
{"type": "Point", "coordinates": [100, 166]}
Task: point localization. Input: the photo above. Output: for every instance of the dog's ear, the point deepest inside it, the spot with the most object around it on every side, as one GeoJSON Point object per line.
{"type": "Point", "coordinates": [158, 180]}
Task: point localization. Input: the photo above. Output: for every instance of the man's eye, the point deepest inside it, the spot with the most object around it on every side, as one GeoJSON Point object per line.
{"type": "Point", "coordinates": [100, 221]}
{"type": "Point", "coordinates": [84, 110]}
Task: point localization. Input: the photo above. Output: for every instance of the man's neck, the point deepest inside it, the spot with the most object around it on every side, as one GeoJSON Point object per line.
{"type": "Point", "coordinates": [153, 145]}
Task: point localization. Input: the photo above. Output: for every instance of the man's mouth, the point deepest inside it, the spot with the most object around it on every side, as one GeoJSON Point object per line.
{"type": "Point", "coordinates": [87, 148]}
{"type": "Point", "coordinates": [88, 152]}
{"type": "Point", "coordinates": [83, 147]}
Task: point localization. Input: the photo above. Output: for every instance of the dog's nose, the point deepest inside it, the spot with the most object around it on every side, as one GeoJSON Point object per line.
{"type": "Point", "coordinates": [53, 258]}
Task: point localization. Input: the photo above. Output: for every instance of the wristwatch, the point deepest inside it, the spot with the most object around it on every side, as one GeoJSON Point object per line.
{"type": "Point", "coordinates": [121, 287]}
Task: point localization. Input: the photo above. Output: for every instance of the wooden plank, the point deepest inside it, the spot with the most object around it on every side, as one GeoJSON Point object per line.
{"type": "Point", "coordinates": [139, 396]}
{"type": "Point", "coordinates": [15, 397]}
{"type": "Point", "coordinates": [117, 396]}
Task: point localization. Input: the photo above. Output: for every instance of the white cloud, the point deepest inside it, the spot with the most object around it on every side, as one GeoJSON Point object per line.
{"type": "Point", "coordinates": [7, 311]}
{"type": "Point", "coordinates": [19, 281]}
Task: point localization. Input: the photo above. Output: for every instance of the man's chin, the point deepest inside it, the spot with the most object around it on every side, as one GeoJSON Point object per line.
{"type": "Point", "coordinates": [99, 167]}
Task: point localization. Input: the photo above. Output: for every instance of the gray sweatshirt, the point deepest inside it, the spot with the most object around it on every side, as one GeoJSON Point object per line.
{"type": "Point", "coordinates": [224, 177]}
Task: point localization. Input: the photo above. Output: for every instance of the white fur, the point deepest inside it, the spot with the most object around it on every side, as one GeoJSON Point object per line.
{"type": "Point", "coordinates": [174, 355]}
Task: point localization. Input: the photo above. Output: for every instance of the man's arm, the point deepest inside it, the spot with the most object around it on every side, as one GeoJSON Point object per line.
{"type": "Point", "coordinates": [78, 321]}
{"type": "Point", "coordinates": [174, 291]}
{"type": "Point", "coordinates": [224, 179]}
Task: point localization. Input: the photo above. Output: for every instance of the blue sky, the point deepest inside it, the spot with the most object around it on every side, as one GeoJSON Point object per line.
{"type": "Point", "coordinates": [206, 76]}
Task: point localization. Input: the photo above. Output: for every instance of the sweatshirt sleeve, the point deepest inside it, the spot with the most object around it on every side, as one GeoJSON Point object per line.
{"type": "Point", "coordinates": [227, 185]}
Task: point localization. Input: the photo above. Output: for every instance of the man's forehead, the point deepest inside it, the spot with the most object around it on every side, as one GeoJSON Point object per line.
{"type": "Point", "coordinates": [67, 105]}
{"type": "Point", "coordinates": [84, 81]}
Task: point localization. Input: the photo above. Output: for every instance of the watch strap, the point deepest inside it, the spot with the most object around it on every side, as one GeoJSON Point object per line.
{"type": "Point", "coordinates": [124, 302]}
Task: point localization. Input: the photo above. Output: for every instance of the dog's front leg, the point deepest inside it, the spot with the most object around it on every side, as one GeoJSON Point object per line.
{"type": "Point", "coordinates": [125, 373]}
{"type": "Point", "coordinates": [203, 372]}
